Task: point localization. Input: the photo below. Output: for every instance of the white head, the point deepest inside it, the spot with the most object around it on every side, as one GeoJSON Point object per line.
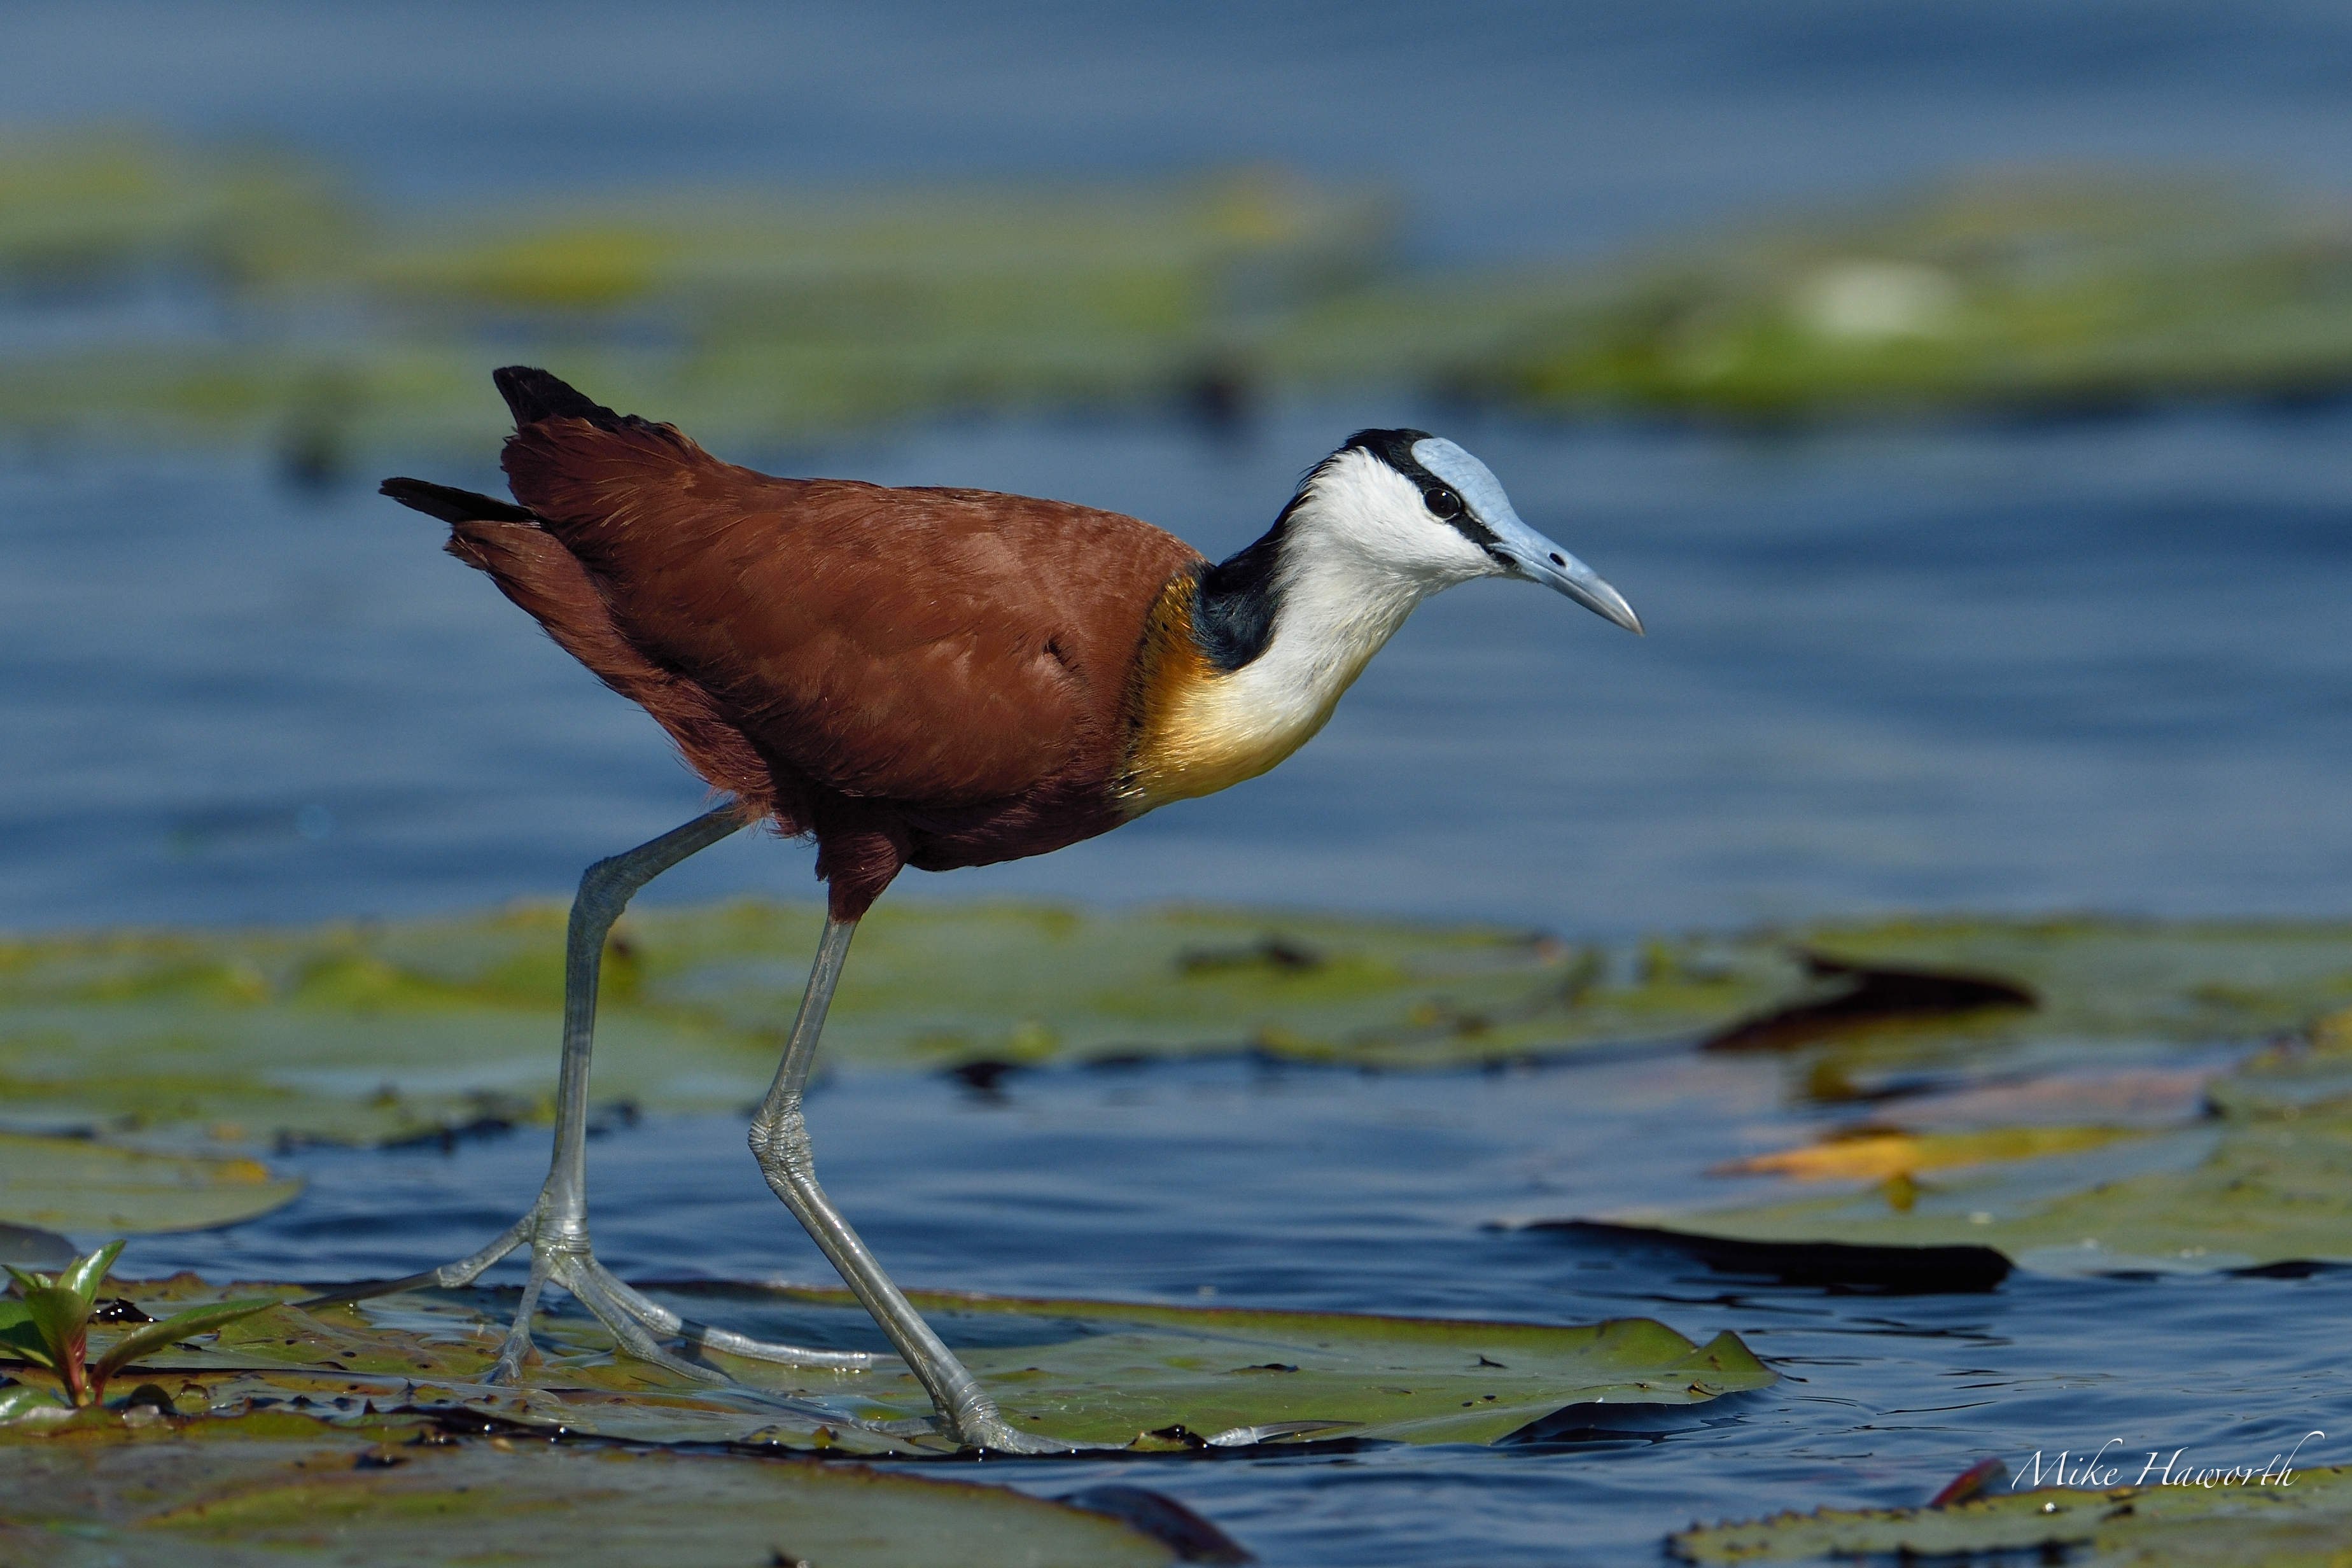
{"type": "Point", "coordinates": [1417, 506]}
{"type": "Point", "coordinates": [1283, 627]}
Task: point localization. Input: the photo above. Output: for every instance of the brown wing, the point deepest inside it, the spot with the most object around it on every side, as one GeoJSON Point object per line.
{"type": "Point", "coordinates": [934, 648]}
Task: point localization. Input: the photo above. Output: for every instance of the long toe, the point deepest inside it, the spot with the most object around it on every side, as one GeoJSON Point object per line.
{"type": "Point", "coordinates": [659, 1321]}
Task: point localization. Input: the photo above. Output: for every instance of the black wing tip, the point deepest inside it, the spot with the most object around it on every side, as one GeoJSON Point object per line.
{"type": "Point", "coordinates": [534, 395]}
{"type": "Point", "coordinates": [451, 504]}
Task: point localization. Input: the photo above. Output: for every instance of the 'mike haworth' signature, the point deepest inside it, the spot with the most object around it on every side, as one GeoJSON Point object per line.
{"type": "Point", "coordinates": [2162, 1469]}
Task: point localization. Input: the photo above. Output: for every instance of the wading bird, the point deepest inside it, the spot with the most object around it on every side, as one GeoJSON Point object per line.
{"type": "Point", "coordinates": [925, 677]}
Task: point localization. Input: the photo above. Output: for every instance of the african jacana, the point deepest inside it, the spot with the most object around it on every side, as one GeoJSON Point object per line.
{"type": "Point", "coordinates": [927, 678]}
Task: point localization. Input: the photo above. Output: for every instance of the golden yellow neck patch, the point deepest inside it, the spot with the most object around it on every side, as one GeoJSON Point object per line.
{"type": "Point", "coordinates": [1195, 729]}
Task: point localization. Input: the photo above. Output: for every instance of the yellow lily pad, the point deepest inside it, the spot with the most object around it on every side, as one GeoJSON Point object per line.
{"type": "Point", "coordinates": [1877, 1155]}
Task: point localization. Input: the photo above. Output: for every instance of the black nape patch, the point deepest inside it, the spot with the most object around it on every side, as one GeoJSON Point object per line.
{"type": "Point", "coordinates": [1234, 606]}
{"type": "Point", "coordinates": [1237, 599]}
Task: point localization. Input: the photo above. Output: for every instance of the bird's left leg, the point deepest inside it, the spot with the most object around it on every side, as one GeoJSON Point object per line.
{"type": "Point", "coordinates": [556, 1227]}
{"type": "Point", "coordinates": [779, 1142]}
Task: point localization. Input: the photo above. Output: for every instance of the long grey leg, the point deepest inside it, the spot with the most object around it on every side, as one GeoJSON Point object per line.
{"type": "Point", "coordinates": [556, 1228]}
{"type": "Point", "coordinates": [779, 1142]}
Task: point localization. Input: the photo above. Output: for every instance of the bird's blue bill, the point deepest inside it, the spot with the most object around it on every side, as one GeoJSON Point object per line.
{"type": "Point", "coordinates": [1530, 554]}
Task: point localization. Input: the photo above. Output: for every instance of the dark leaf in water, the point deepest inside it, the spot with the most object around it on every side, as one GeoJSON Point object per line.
{"type": "Point", "coordinates": [1865, 996]}
{"type": "Point", "coordinates": [1837, 1266]}
{"type": "Point", "coordinates": [1184, 1533]}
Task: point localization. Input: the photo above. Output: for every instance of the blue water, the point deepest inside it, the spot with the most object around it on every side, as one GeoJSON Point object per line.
{"type": "Point", "coordinates": [2017, 667]}
{"type": "Point", "coordinates": [2098, 665]}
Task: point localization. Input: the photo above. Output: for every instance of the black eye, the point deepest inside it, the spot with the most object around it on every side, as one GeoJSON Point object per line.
{"type": "Point", "coordinates": [1442, 502]}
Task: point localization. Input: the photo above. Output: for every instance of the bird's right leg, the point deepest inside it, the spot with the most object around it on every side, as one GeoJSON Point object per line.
{"type": "Point", "coordinates": [556, 1227]}
{"type": "Point", "coordinates": [779, 1142]}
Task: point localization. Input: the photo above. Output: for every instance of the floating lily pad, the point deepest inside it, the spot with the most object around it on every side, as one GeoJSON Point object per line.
{"type": "Point", "coordinates": [1236, 1377]}
{"type": "Point", "coordinates": [2266, 1179]}
{"type": "Point", "coordinates": [756, 312]}
{"type": "Point", "coordinates": [283, 1488]}
{"type": "Point", "coordinates": [383, 1032]}
{"type": "Point", "coordinates": [1090, 1372]}
{"type": "Point", "coordinates": [2303, 1521]}
{"type": "Point", "coordinates": [76, 1185]}
{"type": "Point", "coordinates": [2022, 292]}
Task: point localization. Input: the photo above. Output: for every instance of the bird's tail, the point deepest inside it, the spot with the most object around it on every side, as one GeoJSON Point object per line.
{"type": "Point", "coordinates": [451, 504]}
{"type": "Point", "coordinates": [532, 395]}
{"type": "Point", "coordinates": [577, 465]}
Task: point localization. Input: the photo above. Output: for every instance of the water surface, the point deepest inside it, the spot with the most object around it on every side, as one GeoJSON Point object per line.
{"type": "Point", "coordinates": [2095, 665]}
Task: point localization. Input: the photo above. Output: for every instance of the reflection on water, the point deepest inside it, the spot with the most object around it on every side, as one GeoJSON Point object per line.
{"type": "Point", "coordinates": [2086, 664]}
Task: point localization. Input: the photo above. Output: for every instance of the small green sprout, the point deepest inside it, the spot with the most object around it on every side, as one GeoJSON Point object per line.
{"type": "Point", "coordinates": [48, 1324]}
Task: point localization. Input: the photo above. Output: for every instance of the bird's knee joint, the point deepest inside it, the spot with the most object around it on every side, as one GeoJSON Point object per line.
{"type": "Point", "coordinates": [604, 888]}
{"type": "Point", "coordinates": [781, 1143]}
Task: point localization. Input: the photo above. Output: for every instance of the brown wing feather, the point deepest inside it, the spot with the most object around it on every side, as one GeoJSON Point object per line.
{"type": "Point", "coordinates": [932, 648]}
{"type": "Point", "coordinates": [533, 569]}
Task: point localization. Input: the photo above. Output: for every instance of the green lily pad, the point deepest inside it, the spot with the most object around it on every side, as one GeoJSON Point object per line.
{"type": "Point", "coordinates": [1096, 1373]}
{"type": "Point", "coordinates": [2302, 1522]}
{"type": "Point", "coordinates": [78, 1184]}
{"type": "Point", "coordinates": [283, 1488]}
{"type": "Point", "coordinates": [1115, 1374]}
{"type": "Point", "coordinates": [784, 314]}
{"type": "Point", "coordinates": [2263, 1178]}
{"type": "Point", "coordinates": [2025, 292]}
{"type": "Point", "coordinates": [382, 1032]}
{"type": "Point", "coordinates": [385, 1032]}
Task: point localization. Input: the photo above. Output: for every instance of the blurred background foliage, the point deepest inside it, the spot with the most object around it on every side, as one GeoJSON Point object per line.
{"type": "Point", "coordinates": [200, 290]}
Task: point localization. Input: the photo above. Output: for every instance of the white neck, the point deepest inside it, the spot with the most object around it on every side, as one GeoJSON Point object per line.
{"type": "Point", "coordinates": [1336, 610]}
{"type": "Point", "coordinates": [1340, 593]}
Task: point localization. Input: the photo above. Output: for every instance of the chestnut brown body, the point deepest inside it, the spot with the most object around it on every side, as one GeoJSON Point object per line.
{"type": "Point", "coordinates": [914, 676]}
